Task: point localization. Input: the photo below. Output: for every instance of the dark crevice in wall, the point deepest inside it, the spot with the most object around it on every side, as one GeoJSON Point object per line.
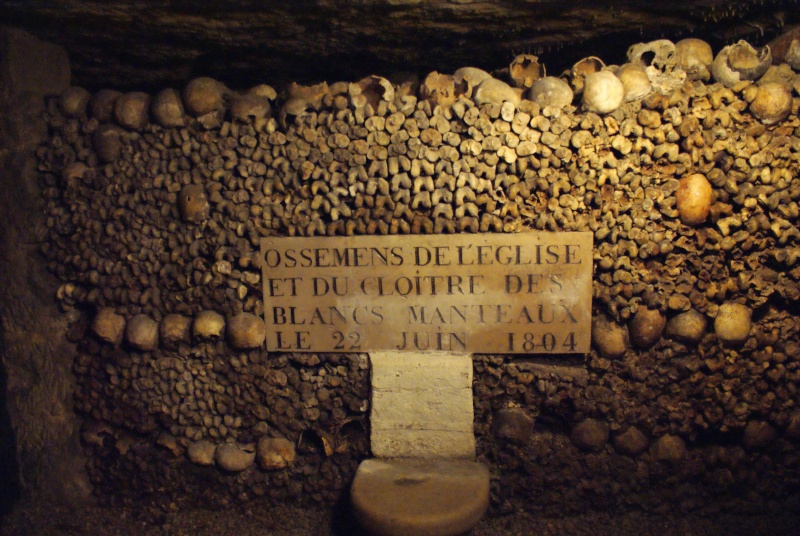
{"type": "Point", "coordinates": [343, 523]}
{"type": "Point", "coordinates": [9, 469]}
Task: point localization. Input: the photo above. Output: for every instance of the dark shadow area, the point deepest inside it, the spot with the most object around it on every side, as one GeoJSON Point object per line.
{"type": "Point", "coordinates": [343, 523]}
{"type": "Point", "coordinates": [10, 486]}
{"type": "Point", "coordinates": [715, 438]}
{"type": "Point", "coordinates": [550, 423]}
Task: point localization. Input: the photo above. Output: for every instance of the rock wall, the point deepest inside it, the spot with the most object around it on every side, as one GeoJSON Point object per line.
{"type": "Point", "coordinates": [150, 44]}
{"type": "Point", "coordinates": [156, 203]}
{"type": "Point", "coordinates": [39, 449]}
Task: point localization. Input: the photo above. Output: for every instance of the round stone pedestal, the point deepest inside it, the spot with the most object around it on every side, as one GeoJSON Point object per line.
{"type": "Point", "coordinates": [405, 497]}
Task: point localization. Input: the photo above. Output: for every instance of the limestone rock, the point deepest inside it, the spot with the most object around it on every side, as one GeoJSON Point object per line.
{"type": "Point", "coordinates": [758, 434]}
{"type": "Point", "coordinates": [609, 338]}
{"type": "Point", "coordinates": [646, 327]}
{"type": "Point", "coordinates": [275, 453]}
{"type": "Point", "coordinates": [590, 434]}
{"type": "Point", "coordinates": [732, 324]}
{"type": "Point", "coordinates": [109, 326]}
{"type": "Point", "coordinates": [234, 458]}
{"type": "Point", "coordinates": [40, 447]}
{"type": "Point", "coordinates": [251, 36]}
{"type": "Point", "coordinates": [31, 66]}
{"type": "Point", "coordinates": [142, 333]}
{"type": "Point", "coordinates": [208, 325]}
{"type": "Point", "coordinates": [688, 327]}
{"type": "Point", "coordinates": [631, 442]}
{"type": "Point", "coordinates": [669, 448]}
{"type": "Point", "coordinates": [174, 329]}
{"type": "Point", "coordinates": [786, 48]}
{"type": "Point", "coordinates": [513, 424]}
{"type": "Point", "coordinates": [246, 331]}
{"type": "Point", "coordinates": [202, 452]}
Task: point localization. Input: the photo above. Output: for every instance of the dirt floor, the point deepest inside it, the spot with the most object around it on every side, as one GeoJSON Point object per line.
{"type": "Point", "coordinates": [253, 519]}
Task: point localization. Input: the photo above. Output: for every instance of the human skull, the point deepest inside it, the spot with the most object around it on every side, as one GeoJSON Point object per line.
{"type": "Point", "coordinates": [525, 69]}
{"type": "Point", "coordinates": [740, 61]}
{"type": "Point", "coordinates": [467, 79]}
{"type": "Point", "coordinates": [694, 56]}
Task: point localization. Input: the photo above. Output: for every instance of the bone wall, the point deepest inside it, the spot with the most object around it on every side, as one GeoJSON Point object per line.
{"type": "Point", "coordinates": [156, 204]}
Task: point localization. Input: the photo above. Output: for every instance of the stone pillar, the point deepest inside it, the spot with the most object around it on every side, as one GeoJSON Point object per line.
{"type": "Point", "coordinates": [39, 432]}
{"type": "Point", "coordinates": [424, 478]}
{"type": "Point", "coordinates": [422, 406]}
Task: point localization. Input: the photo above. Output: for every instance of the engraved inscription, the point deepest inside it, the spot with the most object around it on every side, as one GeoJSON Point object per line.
{"type": "Point", "coordinates": [489, 293]}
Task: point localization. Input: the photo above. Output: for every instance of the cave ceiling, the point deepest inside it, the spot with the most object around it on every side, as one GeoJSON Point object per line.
{"type": "Point", "coordinates": [151, 44]}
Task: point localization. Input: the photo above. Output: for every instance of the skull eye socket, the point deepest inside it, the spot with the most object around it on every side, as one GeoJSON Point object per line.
{"type": "Point", "coordinates": [648, 57]}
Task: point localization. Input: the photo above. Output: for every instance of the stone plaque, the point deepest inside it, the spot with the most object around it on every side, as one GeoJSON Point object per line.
{"type": "Point", "coordinates": [525, 293]}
